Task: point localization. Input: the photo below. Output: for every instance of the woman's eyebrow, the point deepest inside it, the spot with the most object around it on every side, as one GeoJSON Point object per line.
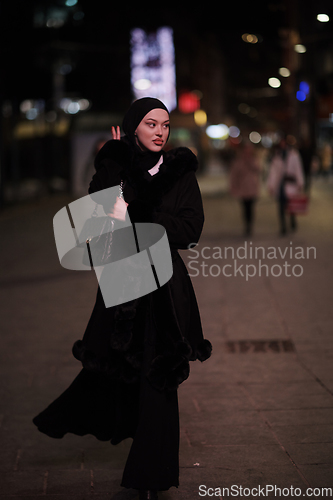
{"type": "Point", "coordinates": [152, 119]}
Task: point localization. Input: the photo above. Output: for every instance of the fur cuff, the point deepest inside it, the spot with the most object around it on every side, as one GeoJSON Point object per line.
{"type": "Point", "coordinates": [168, 370]}
{"type": "Point", "coordinates": [204, 350]}
{"type": "Point", "coordinates": [125, 368]}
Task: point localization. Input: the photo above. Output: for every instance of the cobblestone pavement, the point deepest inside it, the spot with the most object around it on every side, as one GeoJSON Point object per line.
{"type": "Point", "coordinates": [258, 413]}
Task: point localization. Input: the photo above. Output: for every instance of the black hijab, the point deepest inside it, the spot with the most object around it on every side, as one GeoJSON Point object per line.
{"type": "Point", "coordinates": [133, 117]}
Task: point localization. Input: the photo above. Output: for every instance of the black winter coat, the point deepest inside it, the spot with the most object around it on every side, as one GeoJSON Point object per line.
{"type": "Point", "coordinates": [113, 340]}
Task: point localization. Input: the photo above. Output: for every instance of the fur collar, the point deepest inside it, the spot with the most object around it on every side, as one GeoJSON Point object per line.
{"type": "Point", "coordinates": [176, 163]}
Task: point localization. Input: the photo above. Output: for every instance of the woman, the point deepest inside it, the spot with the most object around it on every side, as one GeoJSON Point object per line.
{"type": "Point", "coordinates": [285, 180]}
{"type": "Point", "coordinates": [135, 355]}
{"type": "Point", "coordinates": [245, 183]}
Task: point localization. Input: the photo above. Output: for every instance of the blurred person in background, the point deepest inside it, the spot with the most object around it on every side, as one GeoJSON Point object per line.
{"type": "Point", "coordinates": [285, 180]}
{"type": "Point", "coordinates": [307, 152]}
{"type": "Point", "coordinates": [245, 183]}
{"type": "Point", "coordinates": [326, 160]}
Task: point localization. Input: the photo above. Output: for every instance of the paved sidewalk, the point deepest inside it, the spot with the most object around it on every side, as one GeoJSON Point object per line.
{"type": "Point", "coordinates": [259, 412]}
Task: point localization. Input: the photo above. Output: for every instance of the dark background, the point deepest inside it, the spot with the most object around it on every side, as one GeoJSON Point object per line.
{"type": "Point", "coordinates": [211, 57]}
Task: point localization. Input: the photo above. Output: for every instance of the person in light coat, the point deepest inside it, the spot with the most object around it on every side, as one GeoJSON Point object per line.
{"type": "Point", "coordinates": [245, 183]}
{"type": "Point", "coordinates": [285, 180]}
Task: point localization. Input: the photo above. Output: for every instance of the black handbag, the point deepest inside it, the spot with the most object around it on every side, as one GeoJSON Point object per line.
{"type": "Point", "coordinates": [99, 246]}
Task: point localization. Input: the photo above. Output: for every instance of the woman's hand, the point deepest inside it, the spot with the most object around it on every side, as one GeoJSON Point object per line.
{"type": "Point", "coordinates": [115, 133]}
{"type": "Point", "coordinates": [119, 209]}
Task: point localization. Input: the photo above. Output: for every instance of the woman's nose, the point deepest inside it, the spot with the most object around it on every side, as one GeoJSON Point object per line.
{"type": "Point", "coordinates": [158, 130]}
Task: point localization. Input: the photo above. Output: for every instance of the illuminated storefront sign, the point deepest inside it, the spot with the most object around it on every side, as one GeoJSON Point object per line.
{"type": "Point", "coordinates": [153, 65]}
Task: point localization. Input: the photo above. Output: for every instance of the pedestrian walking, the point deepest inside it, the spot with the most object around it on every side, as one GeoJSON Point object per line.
{"type": "Point", "coordinates": [136, 354]}
{"type": "Point", "coordinates": [285, 180]}
{"type": "Point", "coordinates": [245, 183]}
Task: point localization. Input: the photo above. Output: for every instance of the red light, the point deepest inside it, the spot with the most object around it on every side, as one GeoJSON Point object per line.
{"type": "Point", "coordinates": [188, 102]}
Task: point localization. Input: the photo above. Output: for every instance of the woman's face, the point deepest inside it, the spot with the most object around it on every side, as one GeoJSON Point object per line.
{"type": "Point", "coordinates": [153, 130]}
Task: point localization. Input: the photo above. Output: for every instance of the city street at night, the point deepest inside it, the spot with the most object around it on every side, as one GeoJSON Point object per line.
{"type": "Point", "coordinates": [132, 135]}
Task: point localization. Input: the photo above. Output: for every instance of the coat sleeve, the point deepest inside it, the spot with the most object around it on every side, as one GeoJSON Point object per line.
{"type": "Point", "coordinates": [184, 225]}
{"type": "Point", "coordinates": [105, 177]}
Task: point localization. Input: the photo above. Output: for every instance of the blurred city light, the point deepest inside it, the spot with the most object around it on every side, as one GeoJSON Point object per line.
{"type": "Point", "coordinates": [188, 102]}
{"type": "Point", "coordinates": [234, 131]}
{"type": "Point", "coordinates": [32, 108]}
{"type": "Point", "coordinates": [284, 72]}
{"type": "Point", "coordinates": [274, 82]}
{"type": "Point", "coordinates": [323, 18]}
{"type": "Point", "coordinates": [71, 3]}
{"type": "Point", "coordinates": [65, 69]}
{"type": "Point", "coordinates": [244, 108]}
{"type": "Point", "coordinates": [301, 49]}
{"type": "Point", "coordinates": [300, 95]}
{"type": "Point", "coordinates": [220, 131]}
{"type": "Point", "coordinates": [304, 87]}
{"type": "Point", "coordinates": [153, 60]}
{"type": "Point", "coordinates": [255, 137]}
{"type": "Point", "coordinates": [200, 117]}
{"type": "Point", "coordinates": [31, 114]}
{"type": "Point", "coordinates": [266, 141]}
{"type": "Point", "coordinates": [73, 106]}
{"type": "Point", "coordinates": [249, 38]}
{"type": "Point", "coordinates": [252, 113]}
{"type": "Point", "coordinates": [142, 84]}
{"type": "Point", "coordinates": [303, 91]}
{"type": "Point", "coordinates": [26, 105]}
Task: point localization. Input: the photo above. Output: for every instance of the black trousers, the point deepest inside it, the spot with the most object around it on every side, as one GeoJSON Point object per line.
{"type": "Point", "coordinates": [153, 461]}
{"type": "Point", "coordinates": [248, 214]}
{"type": "Point", "coordinates": [282, 207]}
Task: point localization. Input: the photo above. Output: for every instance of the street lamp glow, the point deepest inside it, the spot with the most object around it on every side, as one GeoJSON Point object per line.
{"type": "Point", "coordinates": [255, 137]}
{"type": "Point", "coordinates": [249, 38]}
{"type": "Point", "coordinates": [323, 18]}
{"type": "Point", "coordinates": [284, 72]}
{"type": "Point", "coordinates": [200, 117]}
{"type": "Point", "coordinates": [301, 49]}
{"type": "Point", "coordinates": [220, 131]}
{"type": "Point", "coordinates": [274, 82]}
{"type": "Point", "coordinates": [234, 131]}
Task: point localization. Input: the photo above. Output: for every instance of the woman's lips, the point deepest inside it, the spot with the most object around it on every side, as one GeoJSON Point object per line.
{"type": "Point", "coordinates": [158, 142]}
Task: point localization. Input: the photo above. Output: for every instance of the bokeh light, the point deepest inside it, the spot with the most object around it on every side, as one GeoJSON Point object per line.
{"type": "Point", "coordinates": [299, 48]}
{"type": "Point", "coordinates": [284, 72]}
{"type": "Point", "coordinates": [234, 131]}
{"type": "Point", "coordinates": [255, 137]}
{"type": "Point", "coordinates": [323, 18]}
{"type": "Point", "coordinates": [142, 84]}
{"type": "Point", "coordinates": [274, 82]}
{"type": "Point", "coordinates": [220, 131]}
{"type": "Point", "coordinates": [249, 38]}
{"type": "Point", "coordinates": [200, 117]}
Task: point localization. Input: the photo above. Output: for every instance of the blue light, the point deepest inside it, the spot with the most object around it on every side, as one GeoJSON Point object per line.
{"type": "Point", "coordinates": [304, 87]}
{"type": "Point", "coordinates": [70, 3]}
{"type": "Point", "coordinates": [300, 95]}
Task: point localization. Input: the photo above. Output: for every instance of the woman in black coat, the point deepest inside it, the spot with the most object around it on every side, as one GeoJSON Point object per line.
{"type": "Point", "coordinates": [135, 355]}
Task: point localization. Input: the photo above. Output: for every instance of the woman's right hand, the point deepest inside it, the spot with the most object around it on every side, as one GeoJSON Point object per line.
{"type": "Point", "coordinates": [115, 133]}
{"type": "Point", "coordinates": [119, 209]}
